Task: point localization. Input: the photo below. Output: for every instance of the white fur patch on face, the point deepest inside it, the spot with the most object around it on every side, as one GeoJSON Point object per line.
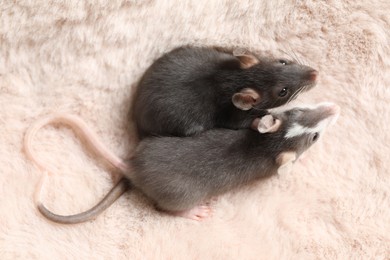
{"type": "Point", "coordinates": [293, 104]}
{"type": "Point", "coordinates": [297, 129]}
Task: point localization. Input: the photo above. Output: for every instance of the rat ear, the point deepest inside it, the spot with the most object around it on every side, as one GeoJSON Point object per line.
{"type": "Point", "coordinates": [266, 124]}
{"type": "Point", "coordinates": [285, 161]}
{"type": "Point", "coordinates": [245, 99]}
{"type": "Point", "coordinates": [246, 59]}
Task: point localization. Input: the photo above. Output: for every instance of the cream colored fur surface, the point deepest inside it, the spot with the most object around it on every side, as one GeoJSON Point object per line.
{"type": "Point", "coordinates": [85, 57]}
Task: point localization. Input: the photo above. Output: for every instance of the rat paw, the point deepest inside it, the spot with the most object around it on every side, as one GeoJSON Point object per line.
{"type": "Point", "coordinates": [197, 213]}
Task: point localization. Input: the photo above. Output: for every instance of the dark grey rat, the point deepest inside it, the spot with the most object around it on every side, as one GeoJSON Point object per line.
{"type": "Point", "coordinates": [193, 89]}
{"type": "Point", "coordinates": [181, 174]}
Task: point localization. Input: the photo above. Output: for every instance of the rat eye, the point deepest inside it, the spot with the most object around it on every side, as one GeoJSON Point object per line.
{"type": "Point", "coordinates": [283, 92]}
{"type": "Point", "coordinates": [283, 62]}
{"type": "Point", "coordinates": [315, 137]}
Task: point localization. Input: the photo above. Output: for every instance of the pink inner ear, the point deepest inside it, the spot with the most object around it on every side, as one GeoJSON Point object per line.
{"type": "Point", "coordinates": [248, 99]}
{"type": "Point", "coordinates": [252, 93]}
{"type": "Point", "coordinates": [268, 120]}
{"type": "Point", "coordinates": [245, 99]}
{"type": "Point", "coordinates": [268, 124]}
{"type": "Point", "coordinates": [247, 61]}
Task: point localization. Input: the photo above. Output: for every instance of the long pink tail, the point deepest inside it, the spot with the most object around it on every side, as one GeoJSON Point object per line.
{"type": "Point", "coordinates": [80, 127]}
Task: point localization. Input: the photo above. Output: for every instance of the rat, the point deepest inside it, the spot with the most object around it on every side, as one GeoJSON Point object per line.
{"type": "Point", "coordinates": [270, 73]}
{"type": "Point", "coordinates": [193, 89]}
{"type": "Point", "coordinates": [180, 175]}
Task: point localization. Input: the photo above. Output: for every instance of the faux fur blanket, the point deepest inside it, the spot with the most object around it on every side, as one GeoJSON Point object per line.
{"type": "Point", "coordinates": [85, 57]}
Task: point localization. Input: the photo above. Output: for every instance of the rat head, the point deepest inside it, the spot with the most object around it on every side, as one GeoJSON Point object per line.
{"type": "Point", "coordinates": [274, 82]}
{"type": "Point", "coordinates": [297, 129]}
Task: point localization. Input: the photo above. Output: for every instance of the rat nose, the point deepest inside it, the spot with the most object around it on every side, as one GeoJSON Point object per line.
{"type": "Point", "coordinates": [331, 108]}
{"type": "Point", "coordinates": [313, 75]}
{"type": "Point", "coordinates": [335, 109]}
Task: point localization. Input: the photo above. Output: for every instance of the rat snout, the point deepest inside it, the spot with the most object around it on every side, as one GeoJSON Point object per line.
{"type": "Point", "coordinates": [331, 108]}
{"type": "Point", "coordinates": [331, 111]}
{"type": "Point", "coordinates": [335, 109]}
{"type": "Point", "coordinates": [313, 75]}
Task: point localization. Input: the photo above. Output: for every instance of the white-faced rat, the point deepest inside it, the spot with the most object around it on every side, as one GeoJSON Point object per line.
{"type": "Point", "coordinates": [181, 174]}
{"type": "Point", "coordinates": [192, 89]}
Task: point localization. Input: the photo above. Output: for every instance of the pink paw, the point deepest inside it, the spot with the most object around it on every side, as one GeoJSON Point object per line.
{"type": "Point", "coordinates": [197, 213]}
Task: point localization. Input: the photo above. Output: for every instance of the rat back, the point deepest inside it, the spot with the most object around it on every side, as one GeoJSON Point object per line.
{"type": "Point", "coordinates": [197, 168]}
{"type": "Point", "coordinates": [190, 90]}
{"type": "Point", "coordinates": [175, 96]}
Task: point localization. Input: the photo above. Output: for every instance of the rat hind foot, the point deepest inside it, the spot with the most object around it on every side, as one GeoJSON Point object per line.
{"type": "Point", "coordinates": [198, 213]}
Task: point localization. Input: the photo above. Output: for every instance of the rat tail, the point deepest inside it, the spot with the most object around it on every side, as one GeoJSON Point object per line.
{"type": "Point", "coordinates": [92, 139]}
{"type": "Point", "coordinates": [92, 213]}
{"type": "Point", "coordinates": [79, 126]}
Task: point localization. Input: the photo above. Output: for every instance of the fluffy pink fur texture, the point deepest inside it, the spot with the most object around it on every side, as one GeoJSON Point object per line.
{"type": "Point", "coordinates": [85, 57]}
